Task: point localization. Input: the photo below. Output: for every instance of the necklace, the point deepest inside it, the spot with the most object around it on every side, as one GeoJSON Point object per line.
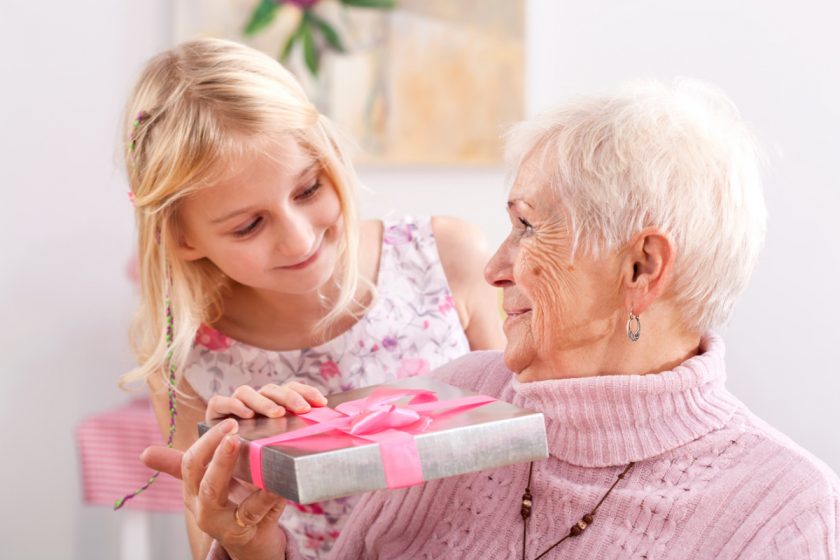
{"type": "Point", "coordinates": [577, 528]}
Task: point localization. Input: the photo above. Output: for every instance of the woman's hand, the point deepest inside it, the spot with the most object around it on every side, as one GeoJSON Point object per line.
{"type": "Point", "coordinates": [271, 400]}
{"type": "Point", "coordinates": [247, 530]}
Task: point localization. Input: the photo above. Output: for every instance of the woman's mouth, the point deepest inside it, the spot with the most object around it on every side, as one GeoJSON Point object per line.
{"type": "Point", "coordinates": [514, 315]}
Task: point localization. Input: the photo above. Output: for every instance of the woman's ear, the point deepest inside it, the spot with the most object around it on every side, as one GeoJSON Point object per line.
{"type": "Point", "coordinates": [648, 261]}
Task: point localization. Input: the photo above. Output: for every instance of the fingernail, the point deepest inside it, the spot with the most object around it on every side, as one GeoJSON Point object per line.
{"type": "Point", "coordinates": [229, 426]}
{"type": "Point", "coordinates": [276, 411]}
{"type": "Point", "coordinates": [230, 445]}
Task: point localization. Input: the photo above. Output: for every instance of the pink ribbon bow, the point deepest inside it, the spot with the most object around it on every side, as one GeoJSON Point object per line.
{"type": "Point", "coordinates": [376, 419]}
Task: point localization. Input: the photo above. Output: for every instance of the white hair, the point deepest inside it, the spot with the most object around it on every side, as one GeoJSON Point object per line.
{"type": "Point", "coordinates": [675, 157]}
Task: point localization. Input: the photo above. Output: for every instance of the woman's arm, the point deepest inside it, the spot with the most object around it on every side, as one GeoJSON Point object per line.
{"type": "Point", "coordinates": [463, 254]}
{"type": "Point", "coordinates": [814, 533]}
{"type": "Point", "coordinates": [191, 410]}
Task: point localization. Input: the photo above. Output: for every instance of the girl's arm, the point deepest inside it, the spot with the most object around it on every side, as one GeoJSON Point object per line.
{"type": "Point", "coordinates": [191, 410]}
{"type": "Point", "coordinates": [463, 253]}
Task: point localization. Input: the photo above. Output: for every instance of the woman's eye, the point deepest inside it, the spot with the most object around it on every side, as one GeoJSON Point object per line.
{"type": "Point", "coordinates": [310, 191]}
{"type": "Point", "coordinates": [526, 225]}
{"type": "Point", "coordinates": [252, 226]}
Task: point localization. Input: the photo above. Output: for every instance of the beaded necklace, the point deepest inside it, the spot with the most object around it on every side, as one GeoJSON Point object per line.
{"type": "Point", "coordinates": [577, 528]}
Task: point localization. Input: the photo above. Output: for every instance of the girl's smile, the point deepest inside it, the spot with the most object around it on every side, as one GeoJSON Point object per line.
{"type": "Point", "coordinates": [308, 260]}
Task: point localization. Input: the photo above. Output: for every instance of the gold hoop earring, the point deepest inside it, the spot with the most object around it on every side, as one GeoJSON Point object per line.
{"type": "Point", "coordinates": [634, 327]}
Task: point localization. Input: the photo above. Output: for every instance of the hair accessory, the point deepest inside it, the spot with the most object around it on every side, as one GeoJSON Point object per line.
{"type": "Point", "coordinates": [138, 120]}
{"type": "Point", "coordinates": [130, 197]}
{"type": "Point", "coordinates": [634, 327]}
{"type": "Point", "coordinates": [173, 412]}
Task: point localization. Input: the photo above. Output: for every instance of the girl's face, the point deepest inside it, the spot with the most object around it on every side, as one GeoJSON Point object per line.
{"type": "Point", "coordinates": [274, 223]}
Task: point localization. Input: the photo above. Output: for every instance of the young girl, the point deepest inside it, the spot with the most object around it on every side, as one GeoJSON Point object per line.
{"type": "Point", "coordinates": [254, 266]}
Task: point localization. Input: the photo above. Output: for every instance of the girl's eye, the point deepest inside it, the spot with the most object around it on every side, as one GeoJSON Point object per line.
{"type": "Point", "coordinates": [310, 191]}
{"type": "Point", "coordinates": [252, 226]}
{"type": "Point", "coordinates": [528, 227]}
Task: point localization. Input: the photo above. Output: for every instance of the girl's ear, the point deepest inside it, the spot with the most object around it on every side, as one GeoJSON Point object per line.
{"type": "Point", "coordinates": [647, 266]}
{"type": "Point", "coordinates": [187, 252]}
{"type": "Point", "coordinates": [184, 249]}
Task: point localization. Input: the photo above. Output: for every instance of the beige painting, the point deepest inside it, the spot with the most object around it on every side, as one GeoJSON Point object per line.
{"type": "Point", "coordinates": [431, 82]}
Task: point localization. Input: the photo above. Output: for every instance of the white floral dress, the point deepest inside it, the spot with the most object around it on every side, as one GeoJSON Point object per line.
{"type": "Point", "coordinates": [411, 328]}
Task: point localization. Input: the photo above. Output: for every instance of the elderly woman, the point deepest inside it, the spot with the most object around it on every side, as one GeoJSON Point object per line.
{"type": "Point", "coordinates": [636, 221]}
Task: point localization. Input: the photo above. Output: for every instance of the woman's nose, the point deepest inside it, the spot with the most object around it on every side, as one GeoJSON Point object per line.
{"type": "Point", "coordinates": [498, 271]}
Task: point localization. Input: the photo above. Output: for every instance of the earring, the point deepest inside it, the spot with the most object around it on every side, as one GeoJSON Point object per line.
{"type": "Point", "coordinates": [634, 327]}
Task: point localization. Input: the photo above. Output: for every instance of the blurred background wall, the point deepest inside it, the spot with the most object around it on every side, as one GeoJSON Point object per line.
{"type": "Point", "coordinates": [66, 68]}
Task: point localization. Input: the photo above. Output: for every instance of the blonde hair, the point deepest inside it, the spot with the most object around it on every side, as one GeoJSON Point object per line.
{"type": "Point", "coordinates": [676, 157]}
{"type": "Point", "coordinates": [195, 108]}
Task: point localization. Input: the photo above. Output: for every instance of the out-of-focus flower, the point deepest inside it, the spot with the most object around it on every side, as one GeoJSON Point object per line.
{"type": "Point", "coordinates": [314, 34]}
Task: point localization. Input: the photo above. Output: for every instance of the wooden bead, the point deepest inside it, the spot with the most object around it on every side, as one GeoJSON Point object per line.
{"type": "Point", "coordinates": [527, 503]}
{"type": "Point", "coordinates": [578, 527]}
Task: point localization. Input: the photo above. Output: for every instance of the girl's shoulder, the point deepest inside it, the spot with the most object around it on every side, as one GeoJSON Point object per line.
{"type": "Point", "coordinates": [463, 251]}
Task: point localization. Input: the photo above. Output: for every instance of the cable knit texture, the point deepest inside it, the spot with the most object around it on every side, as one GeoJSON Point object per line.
{"type": "Point", "coordinates": [711, 480]}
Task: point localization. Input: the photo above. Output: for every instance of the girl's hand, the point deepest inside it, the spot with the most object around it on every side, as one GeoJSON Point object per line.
{"type": "Point", "coordinates": [271, 400]}
{"type": "Point", "coordinates": [247, 530]}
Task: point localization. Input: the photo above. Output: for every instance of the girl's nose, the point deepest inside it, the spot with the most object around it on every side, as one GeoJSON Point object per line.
{"type": "Point", "coordinates": [296, 238]}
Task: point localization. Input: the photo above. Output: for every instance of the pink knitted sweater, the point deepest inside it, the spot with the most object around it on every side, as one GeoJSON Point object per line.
{"type": "Point", "coordinates": [711, 480]}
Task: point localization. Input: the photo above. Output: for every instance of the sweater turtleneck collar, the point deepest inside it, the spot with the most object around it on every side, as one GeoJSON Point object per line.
{"type": "Point", "coordinates": [614, 419]}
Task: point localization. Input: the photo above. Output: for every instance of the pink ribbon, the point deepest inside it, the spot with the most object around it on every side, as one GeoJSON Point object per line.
{"type": "Point", "coordinates": [376, 418]}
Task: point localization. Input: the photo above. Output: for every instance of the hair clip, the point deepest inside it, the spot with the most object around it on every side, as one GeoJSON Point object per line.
{"type": "Point", "coordinates": [130, 197]}
{"type": "Point", "coordinates": [138, 120]}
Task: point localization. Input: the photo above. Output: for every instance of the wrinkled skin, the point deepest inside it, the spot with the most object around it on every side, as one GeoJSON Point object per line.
{"type": "Point", "coordinates": [559, 309]}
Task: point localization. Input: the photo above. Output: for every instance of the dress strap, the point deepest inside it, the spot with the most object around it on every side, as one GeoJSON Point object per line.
{"type": "Point", "coordinates": [409, 251]}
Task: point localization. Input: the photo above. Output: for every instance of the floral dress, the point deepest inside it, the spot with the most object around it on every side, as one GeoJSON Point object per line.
{"type": "Point", "coordinates": [411, 328]}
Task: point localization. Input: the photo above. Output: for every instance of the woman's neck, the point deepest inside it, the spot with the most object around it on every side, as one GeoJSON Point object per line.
{"type": "Point", "coordinates": [663, 345]}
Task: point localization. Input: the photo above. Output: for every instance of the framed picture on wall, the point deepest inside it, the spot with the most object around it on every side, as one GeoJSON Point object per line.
{"type": "Point", "coordinates": [412, 82]}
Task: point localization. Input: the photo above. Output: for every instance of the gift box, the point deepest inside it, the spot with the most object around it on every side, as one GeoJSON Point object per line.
{"type": "Point", "coordinates": [392, 435]}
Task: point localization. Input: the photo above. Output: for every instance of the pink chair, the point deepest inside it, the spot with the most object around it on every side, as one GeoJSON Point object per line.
{"type": "Point", "coordinates": [109, 446]}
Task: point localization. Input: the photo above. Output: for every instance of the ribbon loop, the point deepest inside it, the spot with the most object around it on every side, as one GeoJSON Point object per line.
{"type": "Point", "coordinates": [377, 419]}
{"type": "Point", "coordinates": [382, 418]}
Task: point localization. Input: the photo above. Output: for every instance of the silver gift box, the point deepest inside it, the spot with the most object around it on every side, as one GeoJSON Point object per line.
{"type": "Point", "coordinates": [488, 436]}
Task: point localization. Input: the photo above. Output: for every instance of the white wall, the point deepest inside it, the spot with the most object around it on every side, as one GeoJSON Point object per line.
{"type": "Point", "coordinates": [778, 61]}
{"type": "Point", "coordinates": [66, 68]}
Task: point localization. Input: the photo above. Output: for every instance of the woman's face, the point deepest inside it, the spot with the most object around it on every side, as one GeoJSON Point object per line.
{"type": "Point", "coordinates": [561, 313]}
{"type": "Point", "coordinates": [273, 224]}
